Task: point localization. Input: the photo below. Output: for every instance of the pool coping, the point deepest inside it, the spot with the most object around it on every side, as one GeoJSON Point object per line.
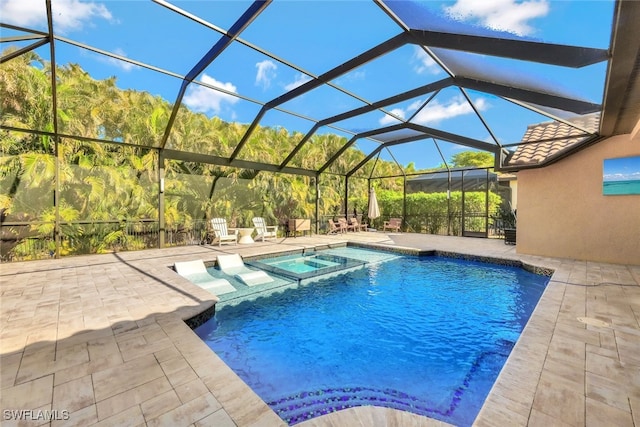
{"type": "Point", "coordinates": [528, 356]}
{"type": "Point", "coordinates": [535, 269]}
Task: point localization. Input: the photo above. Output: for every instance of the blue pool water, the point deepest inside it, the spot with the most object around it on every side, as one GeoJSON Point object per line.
{"type": "Point", "coordinates": [427, 335]}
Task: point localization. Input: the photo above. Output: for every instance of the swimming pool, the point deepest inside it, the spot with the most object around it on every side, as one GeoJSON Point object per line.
{"type": "Point", "coordinates": [427, 335]}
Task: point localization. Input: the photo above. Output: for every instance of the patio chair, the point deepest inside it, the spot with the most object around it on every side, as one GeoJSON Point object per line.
{"type": "Point", "coordinates": [393, 224]}
{"type": "Point", "coordinates": [196, 273]}
{"type": "Point", "coordinates": [233, 265]}
{"type": "Point", "coordinates": [264, 231]}
{"type": "Point", "coordinates": [345, 225]}
{"type": "Point", "coordinates": [334, 228]}
{"type": "Point", "coordinates": [357, 226]}
{"type": "Point", "coordinates": [222, 233]}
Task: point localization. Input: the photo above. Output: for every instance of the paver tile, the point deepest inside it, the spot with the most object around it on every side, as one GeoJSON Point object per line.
{"type": "Point", "coordinates": [10, 364]}
{"type": "Point", "coordinates": [160, 404]}
{"type": "Point", "coordinates": [190, 412]}
{"type": "Point", "coordinates": [373, 416]}
{"type": "Point", "coordinates": [118, 379]}
{"type": "Point", "coordinates": [560, 398]}
{"type": "Point", "coordinates": [572, 371]}
{"type": "Point", "coordinates": [219, 419]}
{"type": "Point", "coordinates": [82, 417]}
{"type": "Point", "coordinates": [601, 414]}
{"type": "Point", "coordinates": [606, 367]}
{"type": "Point", "coordinates": [74, 395]}
{"type": "Point", "coordinates": [607, 391]}
{"type": "Point", "coordinates": [182, 376]}
{"type": "Point", "coordinates": [540, 419]}
{"type": "Point", "coordinates": [142, 359]}
{"type": "Point", "coordinates": [634, 404]}
{"type": "Point", "coordinates": [131, 417]}
{"type": "Point", "coordinates": [190, 390]}
{"type": "Point", "coordinates": [28, 395]}
{"type": "Point", "coordinates": [496, 414]}
{"type": "Point", "coordinates": [110, 360]}
{"type": "Point", "coordinates": [138, 395]}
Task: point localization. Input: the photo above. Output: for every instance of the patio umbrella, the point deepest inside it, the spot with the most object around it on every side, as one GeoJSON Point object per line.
{"type": "Point", "coordinates": [374, 210]}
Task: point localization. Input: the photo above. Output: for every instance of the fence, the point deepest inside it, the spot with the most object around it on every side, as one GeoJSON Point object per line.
{"type": "Point", "coordinates": [22, 241]}
{"type": "Point", "coordinates": [475, 223]}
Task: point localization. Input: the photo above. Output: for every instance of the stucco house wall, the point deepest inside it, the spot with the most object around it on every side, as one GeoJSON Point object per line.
{"type": "Point", "coordinates": [563, 213]}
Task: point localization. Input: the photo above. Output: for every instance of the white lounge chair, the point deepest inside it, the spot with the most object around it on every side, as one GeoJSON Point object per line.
{"type": "Point", "coordinates": [221, 233]}
{"type": "Point", "coordinates": [264, 231]}
{"type": "Point", "coordinates": [196, 272]}
{"type": "Point", "coordinates": [233, 265]}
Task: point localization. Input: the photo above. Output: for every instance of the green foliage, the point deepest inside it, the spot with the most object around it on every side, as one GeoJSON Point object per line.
{"type": "Point", "coordinates": [102, 184]}
{"type": "Point", "coordinates": [477, 159]}
{"type": "Point", "coordinates": [430, 212]}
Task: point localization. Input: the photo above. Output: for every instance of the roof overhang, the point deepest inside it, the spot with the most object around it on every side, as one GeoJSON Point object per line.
{"type": "Point", "coordinates": [621, 106]}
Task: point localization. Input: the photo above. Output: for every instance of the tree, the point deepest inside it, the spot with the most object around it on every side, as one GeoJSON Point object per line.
{"type": "Point", "coordinates": [110, 180]}
{"type": "Point", "coordinates": [477, 159]}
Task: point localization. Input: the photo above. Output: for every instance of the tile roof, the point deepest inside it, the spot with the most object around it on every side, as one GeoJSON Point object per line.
{"type": "Point", "coordinates": [544, 140]}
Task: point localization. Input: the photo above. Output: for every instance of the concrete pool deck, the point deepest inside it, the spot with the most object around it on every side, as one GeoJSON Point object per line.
{"type": "Point", "coordinates": [101, 340]}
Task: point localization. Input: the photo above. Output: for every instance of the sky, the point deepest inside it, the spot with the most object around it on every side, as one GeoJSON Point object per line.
{"type": "Point", "coordinates": [317, 36]}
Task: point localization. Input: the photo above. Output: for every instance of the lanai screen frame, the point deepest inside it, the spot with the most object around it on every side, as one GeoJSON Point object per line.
{"type": "Point", "coordinates": [430, 42]}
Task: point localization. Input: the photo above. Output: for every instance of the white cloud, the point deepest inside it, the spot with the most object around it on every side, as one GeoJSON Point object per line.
{"type": "Point", "coordinates": [203, 99]}
{"type": "Point", "coordinates": [266, 73]}
{"type": "Point", "coordinates": [23, 13]}
{"type": "Point", "coordinates": [354, 76]}
{"type": "Point", "coordinates": [388, 120]}
{"type": "Point", "coordinates": [631, 176]}
{"type": "Point", "coordinates": [357, 75]}
{"type": "Point", "coordinates": [423, 63]}
{"type": "Point", "coordinates": [436, 112]}
{"type": "Point", "coordinates": [123, 65]}
{"type": "Point", "coordinates": [415, 105]}
{"type": "Point", "coordinates": [68, 15]}
{"type": "Point", "coordinates": [299, 81]}
{"type": "Point", "coordinates": [503, 15]}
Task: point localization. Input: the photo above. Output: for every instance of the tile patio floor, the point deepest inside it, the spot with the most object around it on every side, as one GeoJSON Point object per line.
{"type": "Point", "coordinates": [101, 340]}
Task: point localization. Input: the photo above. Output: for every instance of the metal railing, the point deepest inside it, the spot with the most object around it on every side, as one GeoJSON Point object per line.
{"type": "Point", "coordinates": [31, 241]}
